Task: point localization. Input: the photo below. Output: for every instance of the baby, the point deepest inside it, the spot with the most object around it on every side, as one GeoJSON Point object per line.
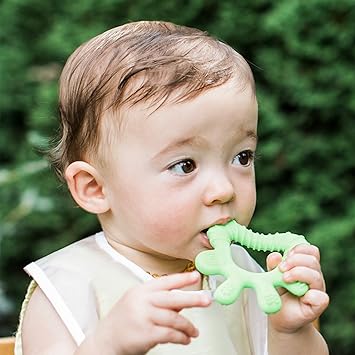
{"type": "Point", "coordinates": [158, 137]}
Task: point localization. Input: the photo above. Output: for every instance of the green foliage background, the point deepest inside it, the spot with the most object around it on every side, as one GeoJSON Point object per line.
{"type": "Point", "coordinates": [302, 54]}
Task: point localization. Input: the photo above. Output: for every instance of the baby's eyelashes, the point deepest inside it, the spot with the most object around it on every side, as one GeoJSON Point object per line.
{"type": "Point", "coordinates": [244, 158]}
{"type": "Point", "coordinates": [183, 167]}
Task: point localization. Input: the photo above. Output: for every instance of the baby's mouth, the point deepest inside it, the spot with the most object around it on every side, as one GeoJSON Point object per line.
{"type": "Point", "coordinates": [206, 241]}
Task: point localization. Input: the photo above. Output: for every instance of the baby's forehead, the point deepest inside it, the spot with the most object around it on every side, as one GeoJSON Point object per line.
{"type": "Point", "coordinates": [178, 103]}
{"type": "Point", "coordinates": [183, 124]}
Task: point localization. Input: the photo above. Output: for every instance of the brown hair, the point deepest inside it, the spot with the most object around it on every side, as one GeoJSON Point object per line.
{"type": "Point", "coordinates": [144, 61]}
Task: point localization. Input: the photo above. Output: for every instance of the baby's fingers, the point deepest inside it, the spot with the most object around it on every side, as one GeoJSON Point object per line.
{"type": "Point", "coordinates": [272, 260]}
{"type": "Point", "coordinates": [304, 267]}
{"type": "Point", "coordinates": [174, 281]}
{"type": "Point", "coordinates": [294, 260]}
{"type": "Point", "coordinates": [315, 302]}
{"type": "Point", "coordinates": [304, 274]}
{"type": "Point", "coordinates": [306, 249]}
{"type": "Point", "coordinates": [163, 335]}
{"type": "Point", "coordinates": [178, 299]}
{"type": "Point", "coordinates": [173, 320]}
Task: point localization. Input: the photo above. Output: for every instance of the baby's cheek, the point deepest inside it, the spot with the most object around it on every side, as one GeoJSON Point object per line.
{"type": "Point", "coordinates": [168, 223]}
{"type": "Point", "coordinates": [245, 202]}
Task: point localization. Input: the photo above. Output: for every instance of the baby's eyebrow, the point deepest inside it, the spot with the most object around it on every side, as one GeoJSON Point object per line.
{"type": "Point", "coordinates": [195, 141]}
{"type": "Point", "coordinates": [242, 134]}
{"type": "Point", "coordinates": [252, 134]}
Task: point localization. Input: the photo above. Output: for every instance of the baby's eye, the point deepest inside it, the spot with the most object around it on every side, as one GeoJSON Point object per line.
{"type": "Point", "coordinates": [244, 158]}
{"type": "Point", "coordinates": [183, 167]}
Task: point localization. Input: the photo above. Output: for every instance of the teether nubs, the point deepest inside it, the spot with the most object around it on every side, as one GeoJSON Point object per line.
{"type": "Point", "coordinates": [219, 262]}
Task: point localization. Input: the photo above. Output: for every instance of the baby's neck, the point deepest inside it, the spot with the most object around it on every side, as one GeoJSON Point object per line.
{"type": "Point", "coordinates": [155, 265]}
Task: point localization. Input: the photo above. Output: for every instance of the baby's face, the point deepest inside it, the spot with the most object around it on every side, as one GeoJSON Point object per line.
{"type": "Point", "coordinates": [180, 170]}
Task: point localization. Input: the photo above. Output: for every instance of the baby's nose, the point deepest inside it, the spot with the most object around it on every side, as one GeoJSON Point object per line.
{"type": "Point", "coordinates": [219, 190]}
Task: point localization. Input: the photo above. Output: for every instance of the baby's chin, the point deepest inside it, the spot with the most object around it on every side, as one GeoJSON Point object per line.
{"type": "Point", "coordinates": [189, 252]}
{"type": "Point", "coordinates": [203, 245]}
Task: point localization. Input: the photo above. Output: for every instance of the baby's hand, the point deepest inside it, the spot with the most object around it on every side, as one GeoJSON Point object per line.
{"type": "Point", "coordinates": [148, 315]}
{"type": "Point", "coordinates": [302, 264]}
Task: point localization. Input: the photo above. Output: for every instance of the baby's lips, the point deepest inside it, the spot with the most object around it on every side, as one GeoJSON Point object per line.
{"type": "Point", "coordinates": [205, 239]}
{"type": "Point", "coordinates": [222, 221]}
{"type": "Point", "coordinates": [219, 221]}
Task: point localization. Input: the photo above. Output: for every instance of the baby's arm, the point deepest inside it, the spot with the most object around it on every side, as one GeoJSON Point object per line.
{"type": "Point", "coordinates": [145, 316]}
{"type": "Point", "coordinates": [43, 332]}
{"type": "Point", "coordinates": [291, 330]}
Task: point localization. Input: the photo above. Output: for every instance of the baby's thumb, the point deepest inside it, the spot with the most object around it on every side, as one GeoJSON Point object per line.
{"type": "Point", "coordinates": [272, 260]}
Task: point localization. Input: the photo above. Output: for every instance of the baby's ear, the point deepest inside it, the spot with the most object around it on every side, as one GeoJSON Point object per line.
{"type": "Point", "coordinates": [86, 187]}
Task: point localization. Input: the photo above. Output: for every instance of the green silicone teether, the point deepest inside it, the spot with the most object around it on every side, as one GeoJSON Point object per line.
{"type": "Point", "coordinates": [219, 262]}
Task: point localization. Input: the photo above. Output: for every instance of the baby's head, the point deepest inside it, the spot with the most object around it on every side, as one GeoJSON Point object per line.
{"type": "Point", "coordinates": [153, 63]}
{"type": "Point", "coordinates": [159, 126]}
